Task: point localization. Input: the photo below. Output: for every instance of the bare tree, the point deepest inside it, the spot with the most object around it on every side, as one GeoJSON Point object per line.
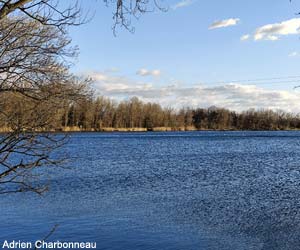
{"type": "Point", "coordinates": [53, 13]}
{"type": "Point", "coordinates": [34, 85]}
{"type": "Point", "coordinates": [46, 12]}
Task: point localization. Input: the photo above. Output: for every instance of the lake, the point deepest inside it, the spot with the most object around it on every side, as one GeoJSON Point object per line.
{"type": "Point", "coordinates": [168, 191]}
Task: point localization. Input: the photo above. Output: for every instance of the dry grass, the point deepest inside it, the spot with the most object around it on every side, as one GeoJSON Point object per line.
{"type": "Point", "coordinates": [109, 129]}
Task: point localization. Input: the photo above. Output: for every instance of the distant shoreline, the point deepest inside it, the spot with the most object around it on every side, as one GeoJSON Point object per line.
{"type": "Point", "coordinates": [137, 130]}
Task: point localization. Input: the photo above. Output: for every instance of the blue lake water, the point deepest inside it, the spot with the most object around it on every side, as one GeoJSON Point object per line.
{"type": "Point", "coordinates": [168, 191]}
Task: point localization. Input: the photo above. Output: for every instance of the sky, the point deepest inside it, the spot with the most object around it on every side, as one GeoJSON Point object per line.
{"type": "Point", "coordinates": [232, 54]}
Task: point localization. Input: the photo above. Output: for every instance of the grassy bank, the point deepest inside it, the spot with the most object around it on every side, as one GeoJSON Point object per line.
{"type": "Point", "coordinates": [155, 129]}
{"type": "Point", "coordinates": [109, 129]}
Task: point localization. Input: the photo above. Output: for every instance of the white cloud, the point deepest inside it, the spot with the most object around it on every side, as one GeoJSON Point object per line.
{"type": "Point", "coordinates": [146, 72]}
{"type": "Point", "coordinates": [294, 54]}
{"type": "Point", "coordinates": [181, 4]}
{"type": "Point", "coordinates": [274, 31]}
{"type": "Point", "coordinates": [224, 23]}
{"type": "Point", "coordinates": [245, 37]}
{"type": "Point", "coordinates": [232, 96]}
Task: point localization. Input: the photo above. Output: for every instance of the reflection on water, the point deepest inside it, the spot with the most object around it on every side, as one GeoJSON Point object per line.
{"type": "Point", "coordinates": [198, 190]}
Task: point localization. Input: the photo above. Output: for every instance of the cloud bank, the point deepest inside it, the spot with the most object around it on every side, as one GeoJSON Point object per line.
{"type": "Point", "coordinates": [232, 96]}
{"type": "Point", "coordinates": [273, 32]}
{"type": "Point", "coordinates": [224, 23]}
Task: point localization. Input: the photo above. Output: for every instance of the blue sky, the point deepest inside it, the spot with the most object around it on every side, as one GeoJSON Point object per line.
{"type": "Point", "coordinates": [177, 58]}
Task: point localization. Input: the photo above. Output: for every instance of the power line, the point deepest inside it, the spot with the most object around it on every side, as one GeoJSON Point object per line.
{"type": "Point", "coordinates": [264, 81]}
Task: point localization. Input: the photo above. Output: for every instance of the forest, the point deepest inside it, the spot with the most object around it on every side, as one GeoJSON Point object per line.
{"type": "Point", "coordinates": [90, 113]}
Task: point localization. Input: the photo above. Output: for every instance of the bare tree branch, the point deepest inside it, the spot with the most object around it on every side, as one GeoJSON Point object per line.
{"type": "Point", "coordinates": [35, 84]}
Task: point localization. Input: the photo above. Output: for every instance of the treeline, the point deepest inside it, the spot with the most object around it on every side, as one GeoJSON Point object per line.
{"type": "Point", "coordinates": [102, 113]}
